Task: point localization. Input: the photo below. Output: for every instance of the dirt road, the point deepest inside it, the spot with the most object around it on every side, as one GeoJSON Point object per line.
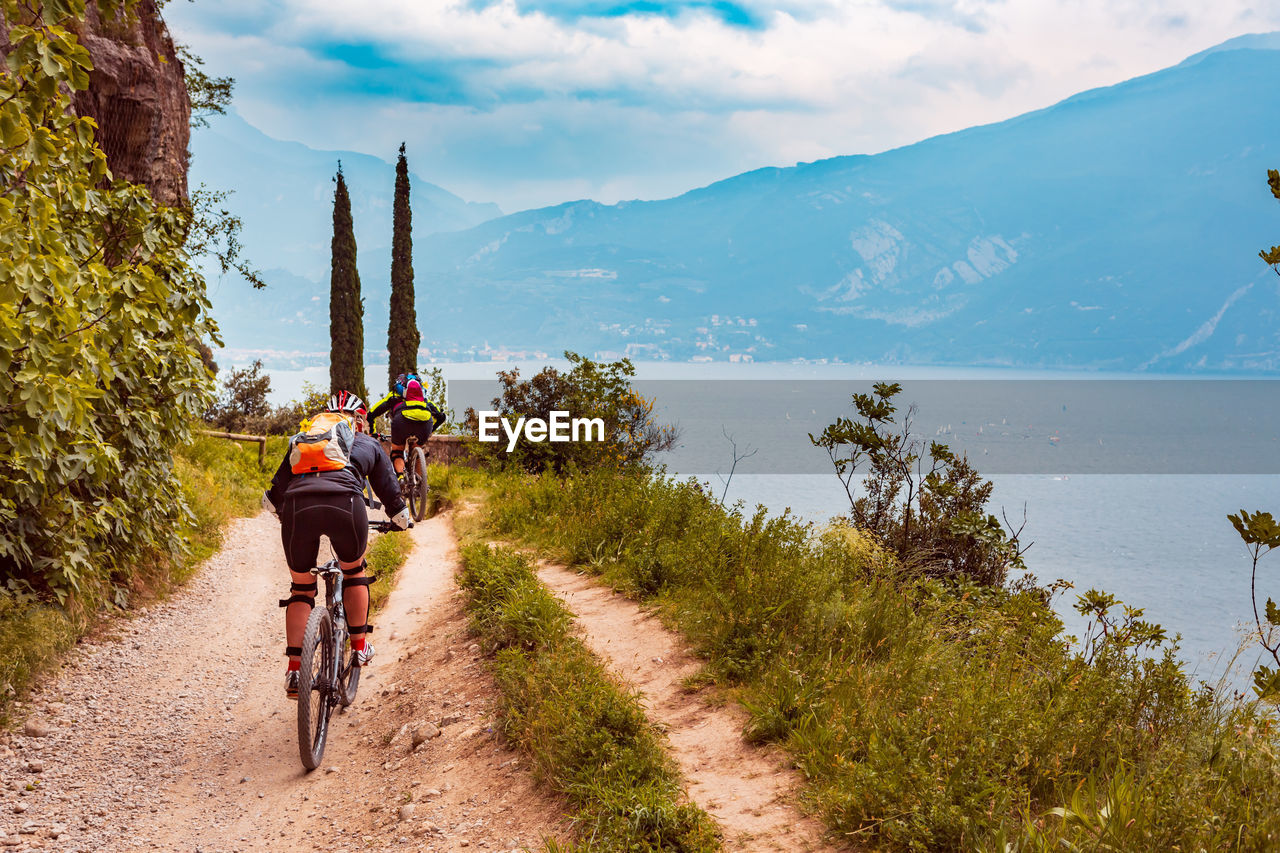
{"type": "Point", "coordinates": [175, 735]}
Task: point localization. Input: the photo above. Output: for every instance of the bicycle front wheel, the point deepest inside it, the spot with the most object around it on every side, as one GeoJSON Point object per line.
{"type": "Point", "coordinates": [315, 687]}
{"type": "Point", "coordinates": [419, 492]}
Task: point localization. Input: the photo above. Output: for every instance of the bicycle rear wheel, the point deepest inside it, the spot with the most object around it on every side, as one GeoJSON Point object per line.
{"type": "Point", "coordinates": [315, 687]}
{"type": "Point", "coordinates": [419, 492]}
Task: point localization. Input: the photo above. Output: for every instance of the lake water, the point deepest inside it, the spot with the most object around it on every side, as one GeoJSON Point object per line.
{"type": "Point", "coordinates": [1126, 484]}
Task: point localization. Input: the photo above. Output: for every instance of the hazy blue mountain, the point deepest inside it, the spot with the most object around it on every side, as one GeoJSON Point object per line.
{"type": "Point", "coordinates": [1118, 229]}
{"type": "Point", "coordinates": [286, 324]}
{"type": "Point", "coordinates": [283, 192]}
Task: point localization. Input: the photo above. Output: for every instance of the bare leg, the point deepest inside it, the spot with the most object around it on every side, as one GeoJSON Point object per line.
{"type": "Point", "coordinates": [397, 458]}
{"type": "Point", "coordinates": [296, 615]}
{"type": "Point", "coordinates": [355, 598]}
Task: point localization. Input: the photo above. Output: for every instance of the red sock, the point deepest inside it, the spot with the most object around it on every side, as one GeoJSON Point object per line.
{"type": "Point", "coordinates": [294, 665]}
{"type": "Point", "coordinates": [357, 642]}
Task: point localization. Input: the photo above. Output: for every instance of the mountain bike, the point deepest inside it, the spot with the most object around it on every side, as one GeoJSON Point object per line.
{"type": "Point", "coordinates": [414, 487]}
{"type": "Point", "coordinates": [329, 675]}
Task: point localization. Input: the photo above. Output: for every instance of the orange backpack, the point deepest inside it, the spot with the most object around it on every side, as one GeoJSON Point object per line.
{"type": "Point", "coordinates": [324, 444]}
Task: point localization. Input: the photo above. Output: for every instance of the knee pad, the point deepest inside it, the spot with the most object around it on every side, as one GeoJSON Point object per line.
{"type": "Point", "coordinates": [296, 598]}
{"type": "Point", "coordinates": [349, 578]}
{"type": "Point", "coordinates": [397, 454]}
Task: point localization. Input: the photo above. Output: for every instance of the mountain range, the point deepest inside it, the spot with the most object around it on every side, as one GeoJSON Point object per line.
{"type": "Point", "coordinates": [1116, 230]}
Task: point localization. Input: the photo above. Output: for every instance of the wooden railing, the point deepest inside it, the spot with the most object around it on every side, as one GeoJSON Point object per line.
{"type": "Point", "coordinates": [235, 436]}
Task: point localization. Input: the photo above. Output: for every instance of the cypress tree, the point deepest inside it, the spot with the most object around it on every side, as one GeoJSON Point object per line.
{"type": "Point", "coordinates": [346, 308]}
{"type": "Point", "coordinates": [402, 329]}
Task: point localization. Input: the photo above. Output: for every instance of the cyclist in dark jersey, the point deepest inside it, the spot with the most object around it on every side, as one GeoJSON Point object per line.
{"type": "Point", "coordinates": [411, 414]}
{"type": "Point", "coordinates": [331, 503]}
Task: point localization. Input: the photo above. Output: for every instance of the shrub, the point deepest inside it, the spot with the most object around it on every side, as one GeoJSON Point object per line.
{"type": "Point", "coordinates": [219, 479]}
{"type": "Point", "coordinates": [928, 507]}
{"type": "Point", "coordinates": [242, 405]}
{"type": "Point", "coordinates": [101, 319]}
{"type": "Point", "coordinates": [1261, 536]}
{"type": "Point", "coordinates": [244, 396]}
{"type": "Point", "coordinates": [588, 390]}
{"type": "Point", "coordinates": [926, 713]}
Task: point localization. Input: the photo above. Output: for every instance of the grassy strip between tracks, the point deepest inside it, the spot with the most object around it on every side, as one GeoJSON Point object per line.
{"type": "Point", "coordinates": [586, 733]}
{"type": "Point", "coordinates": [386, 555]}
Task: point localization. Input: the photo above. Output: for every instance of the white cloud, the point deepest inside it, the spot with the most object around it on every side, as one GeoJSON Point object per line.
{"type": "Point", "coordinates": [625, 105]}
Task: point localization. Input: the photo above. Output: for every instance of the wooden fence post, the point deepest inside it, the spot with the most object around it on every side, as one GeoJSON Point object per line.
{"type": "Point", "coordinates": [235, 436]}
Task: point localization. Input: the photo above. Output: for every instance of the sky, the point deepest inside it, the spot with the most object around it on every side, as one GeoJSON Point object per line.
{"type": "Point", "coordinates": [529, 103]}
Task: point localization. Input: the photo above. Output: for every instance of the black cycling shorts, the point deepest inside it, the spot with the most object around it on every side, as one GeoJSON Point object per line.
{"type": "Point", "coordinates": [402, 428]}
{"type": "Point", "coordinates": [305, 518]}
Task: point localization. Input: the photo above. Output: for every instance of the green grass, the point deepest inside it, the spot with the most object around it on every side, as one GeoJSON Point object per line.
{"type": "Point", "coordinates": [924, 715]}
{"type": "Point", "coordinates": [451, 484]}
{"type": "Point", "coordinates": [587, 735]}
{"type": "Point", "coordinates": [220, 480]}
{"type": "Point", "coordinates": [33, 638]}
{"type": "Point", "coordinates": [386, 555]}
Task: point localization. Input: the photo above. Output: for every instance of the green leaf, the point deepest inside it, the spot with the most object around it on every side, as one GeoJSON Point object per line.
{"type": "Point", "coordinates": [1258, 528]}
{"type": "Point", "coordinates": [100, 387]}
{"type": "Point", "coordinates": [1266, 684]}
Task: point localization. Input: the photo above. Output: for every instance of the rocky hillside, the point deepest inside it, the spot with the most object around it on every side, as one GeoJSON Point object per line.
{"type": "Point", "coordinates": [139, 99]}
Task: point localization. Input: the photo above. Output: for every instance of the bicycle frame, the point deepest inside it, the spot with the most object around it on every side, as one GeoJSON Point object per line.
{"type": "Point", "coordinates": [331, 573]}
{"type": "Point", "coordinates": [384, 438]}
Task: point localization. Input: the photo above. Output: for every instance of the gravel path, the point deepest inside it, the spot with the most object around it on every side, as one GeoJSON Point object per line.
{"type": "Point", "coordinates": [173, 733]}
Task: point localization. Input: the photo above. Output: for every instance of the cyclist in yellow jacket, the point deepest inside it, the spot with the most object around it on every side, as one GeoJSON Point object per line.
{"type": "Point", "coordinates": [411, 414]}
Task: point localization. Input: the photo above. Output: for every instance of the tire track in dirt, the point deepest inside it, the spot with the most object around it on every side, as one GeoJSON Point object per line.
{"type": "Point", "coordinates": [174, 734]}
{"type": "Point", "coordinates": [749, 790]}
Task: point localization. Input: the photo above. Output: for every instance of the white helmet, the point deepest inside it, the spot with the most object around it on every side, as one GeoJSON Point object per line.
{"type": "Point", "coordinates": [347, 403]}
